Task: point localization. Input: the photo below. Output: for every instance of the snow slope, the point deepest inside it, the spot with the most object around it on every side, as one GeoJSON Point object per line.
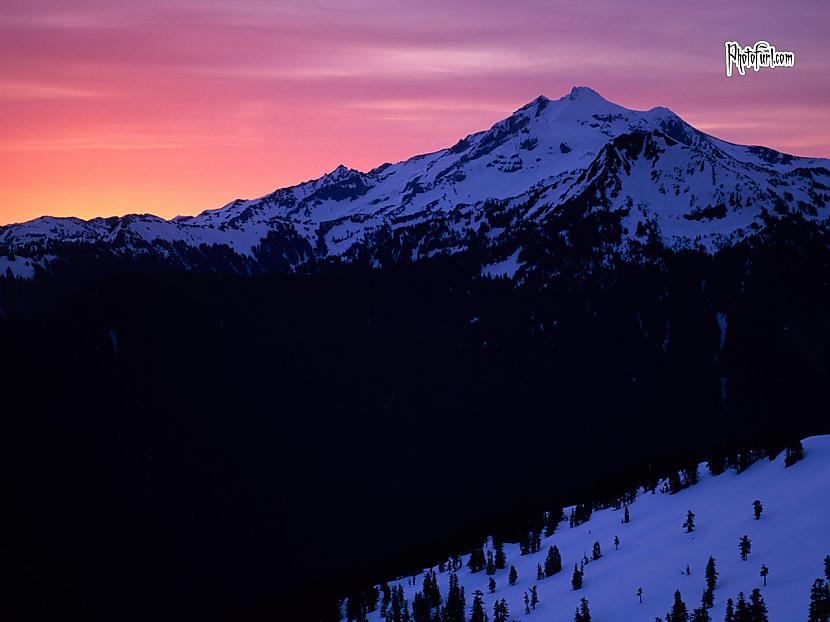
{"type": "Point", "coordinates": [791, 539]}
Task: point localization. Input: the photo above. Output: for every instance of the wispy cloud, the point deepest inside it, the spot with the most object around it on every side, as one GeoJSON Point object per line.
{"type": "Point", "coordinates": [10, 89]}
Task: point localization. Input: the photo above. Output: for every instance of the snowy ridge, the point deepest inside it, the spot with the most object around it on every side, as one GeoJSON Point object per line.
{"type": "Point", "coordinates": [791, 539]}
{"type": "Point", "coordinates": [575, 153]}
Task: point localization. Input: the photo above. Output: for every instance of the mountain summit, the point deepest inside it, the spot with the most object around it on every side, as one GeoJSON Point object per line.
{"type": "Point", "coordinates": [551, 159]}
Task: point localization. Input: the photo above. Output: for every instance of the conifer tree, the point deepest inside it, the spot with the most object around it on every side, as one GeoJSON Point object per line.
{"type": "Point", "coordinates": [707, 601]}
{"type": "Point", "coordinates": [827, 568]}
{"type": "Point", "coordinates": [764, 573]}
{"type": "Point", "coordinates": [701, 614]}
{"type": "Point", "coordinates": [527, 604]}
{"type": "Point", "coordinates": [626, 516]}
{"type": "Point", "coordinates": [711, 574]}
{"type": "Point", "coordinates": [616, 543]}
{"type": "Point", "coordinates": [540, 574]}
{"type": "Point", "coordinates": [476, 562]}
{"type": "Point", "coordinates": [819, 610]}
{"type": "Point", "coordinates": [431, 590]}
{"type": "Point", "coordinates": [490, 566]}
{"type": "Point", "coordinates": [501, 558]}
{"type": "Point", "coordinates": [534, 597]}
{"type": "Point", "coordinates": [477, 611]}
{"type": "Point", "coordinates": [576, 579]}
{"type": "Point", "coordinates": [742, 613]}
{"type": "Point", "coordinates": [386, 596]}
{"type": "Point", "coordinates": [552, 519]}
{"type": "Point", "coordinates": [678, 611]}
{"type": "Point", "coordinates": [456, 603]}
{"type": "Point", "coordinates": [512, 576]}
{"type": "Point", "coordinates": [757, 508]}
{"type": "Point", "coordinates": [584, 611]}
{"type": "Point", "coordinates": [794, 453]}
{"type": "Point", "coordinates": [730, 611]}
{"type": "Point", "coordinates": [421, 611]}
{"type": "Point", "coordinates": [690, 475]}
{"type": "Point", "coordinates": [491, 585]}
{"type": "Point", "coordinates": [689, 524]}
{"type": "Point", "coordinates": [744, 547]}
{"type": "Point", "coordinates": [757, 608]}
{"type": "Point", "coordinates": [553, 562]}
{"type": "Point", "coordinates": [536, 541]}
{"type": "Point", "coordinates": [596, 553]}
{"type": "Point", "coordinates": [716, 464]}
{"type": "Point", "coordinates": [500, 611]}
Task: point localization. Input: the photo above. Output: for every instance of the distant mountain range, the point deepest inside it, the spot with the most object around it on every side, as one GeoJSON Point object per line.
{"type": "Point", "coordinates": [648, 176]}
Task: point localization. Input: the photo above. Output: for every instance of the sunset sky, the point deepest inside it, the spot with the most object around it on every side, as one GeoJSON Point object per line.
{"type": "Point", "coordinates": [176, 106]}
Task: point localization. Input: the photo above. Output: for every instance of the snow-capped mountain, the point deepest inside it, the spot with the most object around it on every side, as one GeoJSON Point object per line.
{"type": "Point", "coordinates": [551, 159]}
{"type": "Point", "coordinates": [643, 562]}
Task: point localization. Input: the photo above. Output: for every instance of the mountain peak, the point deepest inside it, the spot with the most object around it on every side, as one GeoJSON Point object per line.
{"type": "Point", "coordinates": [584, 92]}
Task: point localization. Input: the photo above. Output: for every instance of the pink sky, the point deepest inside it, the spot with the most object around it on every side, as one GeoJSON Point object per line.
{"type": "Point", "coordinates": [176, 106]}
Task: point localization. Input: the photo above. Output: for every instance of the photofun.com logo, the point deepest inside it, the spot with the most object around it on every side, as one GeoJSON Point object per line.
{"type": "Point", "coordinates": [762, 54]}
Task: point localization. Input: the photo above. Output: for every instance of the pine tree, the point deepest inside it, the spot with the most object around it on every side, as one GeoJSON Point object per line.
{"type": "Point", "coordinates": [491, 585]}
{"type": "Point", "coordinates": [500, 611]}
{"type": "Point", "coordinates": [490, 566]}
{"type": "Point", "coordinates": [819, 610]}
{"type": "Point", "coordinates": [477, 611]}
{"type": "Point", "coordinates": [678, 612]}
{"type": "Point", "coordinates": [553, 562]}
{"type": "Point", "coordinates": [431, 590]}
{"type": "Point", "coordinates": [701, 614]}
{"type": "Point", "coordinates": [596, 553]}
{"type": "Point", "coordinates": [689, 524]}
{"type": "Point", "coordinates": [707, 601]}
{"type": "Point", "coordinates": [730, 611]}
{"type": "Point", "coordinates": [501, 558]}
{"type": "Point", "coordinates": [527, 604]}
{"type": "Point", "coordinates": [626, 516]}
{"type": "Point", "coordinates": [456, 603]}
{"type": "Point", "coordinates": [584, 611]}
{"type": "Point", "coordinates": [513, 576]}
{"type": "Point", "coordinates": [421, 611]}
{"type": "Point", "coordinates": [534, 598]}
{"type": "Point", "coordinates": [794, 453]}
{"type": "Point", "coordinates": [757, 508]}
{"type": "Point", "coordinates": [757, 608]}
{"type": "Point", "coordinates": [711, 574]}
{"type": "Point", "coordinates": [540, 574]}
{"type": "Point", "coordinates": [742, 613]}
{"type": "Point", "coordinates": [690, 476]}
{"type": "Point", "coordinates": [616, 543]}
{"type": "Point", "coordinates": [476, 562]}
{"type": "Point", "coordinates": [716, 464]}
{"type": "Point", "coordinates": [764, 573]}
{"type": "Point", "coordinates": [551, 521]}
{"type": "Point", "coordinates": [827, 568]}
{"type": "Point", "coordinates": [386, 596]}
{"type": "Point", "coordinates": [744, 547]}
{"type": "Point", "coordinates": [576, 580]}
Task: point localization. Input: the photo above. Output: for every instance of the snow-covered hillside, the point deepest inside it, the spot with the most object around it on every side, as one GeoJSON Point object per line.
{"type": "Point", "coordinates": [580, 152]}
{"type": "Point", "coordinates": [791, 539]}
